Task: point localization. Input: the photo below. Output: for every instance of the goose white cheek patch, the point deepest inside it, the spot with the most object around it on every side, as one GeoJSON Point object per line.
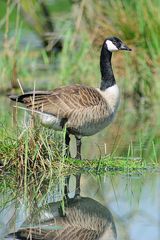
{"type": "Point", "coordinates": [111, 47]}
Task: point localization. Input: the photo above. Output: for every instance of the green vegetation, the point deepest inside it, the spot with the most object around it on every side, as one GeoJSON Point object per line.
{"type": "Point", "coordinates": [38, 150]}
{"type": "Point", "coordinates": [33, 164]}
{"type": "Point", "coordinates": [81, 28]}
{"type": "Point", "coordinates": [82, 31]}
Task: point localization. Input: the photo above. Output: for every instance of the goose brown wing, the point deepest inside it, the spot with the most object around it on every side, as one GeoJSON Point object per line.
{"type": "Point", "coordinates": [62, 101]}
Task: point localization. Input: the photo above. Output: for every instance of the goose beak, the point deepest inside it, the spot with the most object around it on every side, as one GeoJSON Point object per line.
{"type": "Point", "coordinates": [125, 47]}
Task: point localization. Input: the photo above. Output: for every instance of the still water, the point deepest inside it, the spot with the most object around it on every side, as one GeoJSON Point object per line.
{"type": "Point", "coordinates": [94, 207]}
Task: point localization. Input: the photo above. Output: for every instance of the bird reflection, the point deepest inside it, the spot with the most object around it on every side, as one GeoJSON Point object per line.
{"type": "Point", "coordinates": [79, 218]}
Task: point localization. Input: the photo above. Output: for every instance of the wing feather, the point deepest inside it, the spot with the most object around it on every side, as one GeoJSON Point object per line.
{"type": "Point", "coordinates": [63, 101]}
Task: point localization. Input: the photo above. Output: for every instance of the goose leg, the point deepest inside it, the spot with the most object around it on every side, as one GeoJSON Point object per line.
{"type": "Point", "coordinates": [67, 141]}
{"type": "Point", "coordinates": [78, 144]}
{"type": "Point", "coordinates": [77, 192]}
{"type": "Point", "coordinates": [66, 186]}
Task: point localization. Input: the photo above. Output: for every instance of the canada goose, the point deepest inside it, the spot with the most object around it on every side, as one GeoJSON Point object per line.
{"type": "Point", "coordinates": [84, 218]}
{"type": "Point", "coordinates": [83, 110]}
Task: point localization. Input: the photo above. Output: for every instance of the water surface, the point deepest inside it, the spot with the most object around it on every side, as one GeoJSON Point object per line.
{"type": "Point", "coordinates": [132, 201]}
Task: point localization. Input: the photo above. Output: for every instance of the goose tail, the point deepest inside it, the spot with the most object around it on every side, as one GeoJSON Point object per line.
{"type": "Point", "coordinates": [22, 97]}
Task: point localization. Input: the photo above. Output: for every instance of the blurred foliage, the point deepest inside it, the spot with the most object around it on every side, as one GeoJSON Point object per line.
{"type": "Point", "coordinates": [80, 27]}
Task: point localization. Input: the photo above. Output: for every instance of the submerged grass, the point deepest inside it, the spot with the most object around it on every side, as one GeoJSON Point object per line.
{"type": "Point", "coordinates": [36, 151]}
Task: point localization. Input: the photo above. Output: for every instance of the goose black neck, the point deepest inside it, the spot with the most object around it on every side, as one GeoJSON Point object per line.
{"type": "Point", "coordinates": [107, 76]}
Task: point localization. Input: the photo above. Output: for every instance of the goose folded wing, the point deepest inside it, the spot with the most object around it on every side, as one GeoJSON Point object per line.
{"type": "Point", "coordinates": [62, 101]}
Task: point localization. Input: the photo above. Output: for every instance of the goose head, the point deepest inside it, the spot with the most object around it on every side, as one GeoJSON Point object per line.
{"type": "Point", "coordinates": [113, 44]}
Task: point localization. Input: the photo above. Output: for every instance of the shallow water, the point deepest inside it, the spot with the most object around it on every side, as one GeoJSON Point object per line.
{"type": "Point", "coordinates": [132, 201]}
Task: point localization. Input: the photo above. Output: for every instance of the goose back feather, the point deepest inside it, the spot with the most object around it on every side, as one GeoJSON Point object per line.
{"type": "Point", "coordinates": [83, 109]}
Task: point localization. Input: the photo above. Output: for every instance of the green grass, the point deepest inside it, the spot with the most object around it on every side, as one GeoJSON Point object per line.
{"type": "Point", "coordinates": [38, 150]}
{"type": "Point", "coordinates": [34, 164]}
